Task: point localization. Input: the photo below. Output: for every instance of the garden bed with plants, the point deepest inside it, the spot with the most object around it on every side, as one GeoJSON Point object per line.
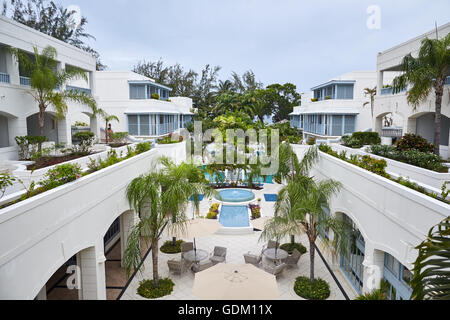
{"type": "Point", "coordinates": [169, 248]}
{"type": "Point", "coordinates": [378, 166]}
{"type": "Point", "coordinates": [318, 289]}
{"type": "Point", "coordinates": [44, 162]}
{"type": "Point", "coordinates": [66, 173]}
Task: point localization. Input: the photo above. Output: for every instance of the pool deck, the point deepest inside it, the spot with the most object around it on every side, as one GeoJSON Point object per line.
{"type": "Point", "coordinates": [237, 246]}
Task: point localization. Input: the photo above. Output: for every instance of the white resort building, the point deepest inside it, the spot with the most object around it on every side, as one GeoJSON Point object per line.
{"type": "Point", "coordinates": [421, 120]}
{"type": "Point", "coordinates": [18, 110]}
{"type": "Point", "coordinates": [128, 96]}
{"type": "Point", "coordinates": [337, 107]}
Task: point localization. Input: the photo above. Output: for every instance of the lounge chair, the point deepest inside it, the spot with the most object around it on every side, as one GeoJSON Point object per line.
{"type": "Point", "coordinates": [276, 270]}
{"type": "Point", "coordinates": [219, 255]}
{"type": "Point", "coordinates": [292, 260]}
{"type": "Point", "coordinates": [201, 266]}
{"type": "Point", "coordinates": [176, 266]}
{"type": "Point", "coordinates": [253, 259]}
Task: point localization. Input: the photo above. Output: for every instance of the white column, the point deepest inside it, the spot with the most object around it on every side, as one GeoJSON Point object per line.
{"type": "Point", "coordinates": [12, 68]}
{"type": "Point", "coordinates": [91, 262]}
{"type": "Point", "coordinates": [128, 220]}
{"type": "Point", "coordinates": [410, 125]}
{"type": "Point", "coordinates": [380, 82]}
{"type": "Point", "coordinates": [17, 127]}
{"type": "Point", "coordinates": [65, 131]}
{"type": "Point", "coordinates": [42, 295]}
{"type": "Point", "coordinates": [373, 268]}
{"type": "Point", "coordinates": [61, 66]}
{"type": "Point", "coordinates": [92, 83]}
{"type": "Point", "coordinates": [95, 127]}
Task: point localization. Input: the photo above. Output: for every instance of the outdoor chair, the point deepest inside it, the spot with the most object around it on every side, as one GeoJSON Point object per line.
{"type": "Point", "coordinates": [186, 247]}
{"type": "Point", "coordinates": [201, 266]}
{"type": "Point", "coordinates": [292, 260]}
{"type": "Point", "coordinates": [272, 244]}
{"type": "Point", "coordinates": [276, 270]}
{"type": "Point", "coordinates": [219, 255]}
{"type": "Point", "coordinates": [176, 266]}
{"type": "Point", "coordinates": [253, 259]}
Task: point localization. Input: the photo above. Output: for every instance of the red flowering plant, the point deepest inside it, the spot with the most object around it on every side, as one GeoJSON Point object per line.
{"type": "Point", "coordinates": [256, 211]}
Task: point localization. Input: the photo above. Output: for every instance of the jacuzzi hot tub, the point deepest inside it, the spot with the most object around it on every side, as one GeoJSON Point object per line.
{"type": "Point", "coordinates": [236, 195]}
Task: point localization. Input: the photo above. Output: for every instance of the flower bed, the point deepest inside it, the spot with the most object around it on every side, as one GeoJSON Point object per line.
{"type": "Point", "coordinates": [169, 248]}
{"type": "Point", "coordinates": [65, 173]}
{"type": "Point", "coordinates": [289, 248]}
{"type": "Point", "coordinates": [379, 167]}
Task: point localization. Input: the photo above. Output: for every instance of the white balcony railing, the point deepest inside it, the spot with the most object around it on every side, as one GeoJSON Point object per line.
{"type": "Point", "coordinates": [4, 77]}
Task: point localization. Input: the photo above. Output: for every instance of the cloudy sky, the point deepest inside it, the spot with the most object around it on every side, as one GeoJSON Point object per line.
{"type": "Point", "coordinates": [302, 42]}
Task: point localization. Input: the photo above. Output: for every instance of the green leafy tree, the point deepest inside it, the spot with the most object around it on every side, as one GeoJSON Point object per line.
{"type": "Point", "coordinates": [283, 99]}
{"type": "Point", "coordinates": [371, 92]}
{"type": "Point", "coordinates": [431, 279]}
{"type": "Point", "coordinates": [426, 73]}
{"type": "Point", "coordinates": [44, 78]}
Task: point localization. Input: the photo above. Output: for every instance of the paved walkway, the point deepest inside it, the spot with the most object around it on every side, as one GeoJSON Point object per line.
{"type": "Point", "coordinates": [238, 245]}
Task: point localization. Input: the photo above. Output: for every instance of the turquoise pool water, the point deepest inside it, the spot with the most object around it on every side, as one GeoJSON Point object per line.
{"type": "Point", "coordinates": [236, 195]}
{"type": "Point", "coordinates": [234, 217]}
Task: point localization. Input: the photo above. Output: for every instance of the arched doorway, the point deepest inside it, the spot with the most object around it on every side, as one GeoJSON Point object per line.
{"type": "Point", "coordinates": [50, 126]}
{"type": "Point", "coordinates": [4, 132]}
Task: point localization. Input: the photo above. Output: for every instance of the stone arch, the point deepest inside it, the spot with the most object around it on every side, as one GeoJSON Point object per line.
{"type": "Point", "coordinates": [50, 126]}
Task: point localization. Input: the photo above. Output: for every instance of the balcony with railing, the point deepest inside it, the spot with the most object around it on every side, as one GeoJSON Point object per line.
{"type": "Point", "coordinates": [78, 89]}
{"type": "Point", "coordinates": [4, 77]}
{"type": "Point", "coordinates": [25, 81]}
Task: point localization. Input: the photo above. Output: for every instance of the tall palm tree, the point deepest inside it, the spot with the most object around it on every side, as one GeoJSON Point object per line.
{"type": "Point", "coordinates": [300, 210]}
{"type": "Point", "coordinates": [45, 77]}
{"type": "Point", "coordinates": [108, 119]}
{"type": "Point", "coordinates": [160, 202]}
{"type": "Point", "coordinates": [427, 72]}
{"type": "Point", "coordinates": [178, 176]}
{"type": "Point", "coordinates": [431, 277]}
{"type": "Point", "coordinates": [371, 93]}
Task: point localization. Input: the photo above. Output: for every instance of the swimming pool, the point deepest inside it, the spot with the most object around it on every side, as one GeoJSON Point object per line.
{"type": "Point", "coordinates": [234, 217]}
{"type": "Point", "coordinates": [236, 195]}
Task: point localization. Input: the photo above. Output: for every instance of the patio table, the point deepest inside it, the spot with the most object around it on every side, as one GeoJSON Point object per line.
{"type": "Point", "coordinates": [275, 254]}
{"type": "Point", "coordinates": [196, 257]}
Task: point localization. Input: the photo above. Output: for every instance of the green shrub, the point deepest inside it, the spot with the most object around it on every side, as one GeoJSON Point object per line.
{"type": "Point", "coordinates": [60, 175]}
{"type": "Point", "coordinates": [29, 146]}
{"type": "Point", "coordinates": [148, 290]}
{"type": "Point", "coordinates": [168, 247]}
{"type": "Point", "coordinates": [142, 147]}
{"type": "Point", "coordinates": [367, 138]}
{"type": "Point", "coordinates": [155, 96]}
{"type": "Point", "coordinates": [426, 160]}
{"type": "Point", "coordinates": [289, 248]}
{"type": "Point", "coordinates": [81, 124]}
{"type": "Point", "coordinates": [119, 137]}
{"type": "Point", "coordinates": [351, 142]}
{"type": "Point", "coordinates": [311, 141]}
{"type": "Point", "coordinates": [6, 181]}
{"type": "Point", "coordinates": [170, 140]}
{"type": "Point", "coordinates": [317, 290]}
{"type": "Point", "coordinates": [86, 140]}
{"type": "Point", "coordinates": [413, 141]}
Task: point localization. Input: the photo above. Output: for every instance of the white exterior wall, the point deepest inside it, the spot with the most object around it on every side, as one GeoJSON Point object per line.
{"type": "Point", "coordinates": [114, 97]}
{"type": "Point", "coordinates": [391, 218]}
{"type": "Point", "coordinates": [15, 103]}
{"type": "Point", "coordinates": [52, 227]}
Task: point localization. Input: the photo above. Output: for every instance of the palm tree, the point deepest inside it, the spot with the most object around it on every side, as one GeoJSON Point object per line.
{"type": "Point", "coordinates": [185, 176]}
{"type": "Point", "coordinates": [108, 119]}
{"type": "Point", "coordinates": [431, 270]}
{"type": "Point", "coordinates": [371, 93]}
{"type": "Point", "coordinates": [44, 78]}
{"type": "Point", "coordinates": [426, 72]}
{"type": "Point", "coordinates": [300, 210]}
{"type": "Point", "coordinates": [160, 202]}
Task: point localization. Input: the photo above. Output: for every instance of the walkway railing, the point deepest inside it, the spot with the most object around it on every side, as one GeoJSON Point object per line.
{"type": "Point", "coordinates": [25, 81]}
{"type": "Point", "coordinates": [4, 77]}
{"type": "Point", "coordinates": [73, 88]}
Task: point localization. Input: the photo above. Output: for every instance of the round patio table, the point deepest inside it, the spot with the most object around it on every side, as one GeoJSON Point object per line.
{"type": "Point", "coordinates": [195, 257]}
{"type": "Point", "coordinates": [276, 254]}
